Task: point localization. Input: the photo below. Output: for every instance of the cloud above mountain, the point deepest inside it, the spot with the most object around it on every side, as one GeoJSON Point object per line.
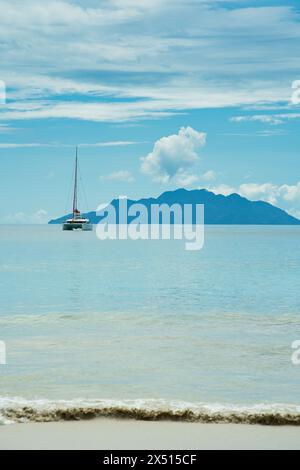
{"type": "Point", "coordinates": [173, 156]}
{"type": "Point", "coordinates": [284, 196]}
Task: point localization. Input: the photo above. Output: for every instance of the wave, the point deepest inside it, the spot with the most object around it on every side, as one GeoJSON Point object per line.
{"type": "Point", "coordinates": [18, 410]}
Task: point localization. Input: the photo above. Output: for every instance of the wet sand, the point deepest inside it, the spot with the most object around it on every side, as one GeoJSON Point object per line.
{"type": "Point", "coordinates": [110, 434]}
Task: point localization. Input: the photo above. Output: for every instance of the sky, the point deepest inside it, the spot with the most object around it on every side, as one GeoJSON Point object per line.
{"type": "Point", "coordinates": [157, 94]}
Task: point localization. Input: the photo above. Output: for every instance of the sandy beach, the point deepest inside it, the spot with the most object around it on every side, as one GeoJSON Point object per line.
{"type": "Point", "coordinates": [109, 434]}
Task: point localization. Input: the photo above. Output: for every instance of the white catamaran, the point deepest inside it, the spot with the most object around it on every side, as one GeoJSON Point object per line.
{"type": "Point", "coordinates": [77, 222]}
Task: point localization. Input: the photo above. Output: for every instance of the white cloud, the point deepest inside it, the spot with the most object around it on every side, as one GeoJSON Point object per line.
{"type": "Point", "coordinates": [60, 13]}
{"type": "Point", "coordinates": [290, 193]}
{"type": "Point", "coordinates": [270, 133]}
{"type": "Point", "coordinates": [282, 195]}
{"type": "Point", "coordinates": [163, 100]}
{"type": "Point", "coordinates": [39, 217]}
{"type": "Point", "coordinates": [185, 179]}
{"type": "Point", "coordinates": [294, 212]}
{"type": "Point", "coordinates": [222, 189]}
{"type": "Point", "coordinates": [113, 143]}
{"type": "Point", "coordinates": [274, 119]}
{"type": "Point", "coordinates": [267, 192]}
{"type": "Point", "coordinates": [264, 133]}
{"type": "Point", "coordinates": [209, 176]}
{"type": "Point", "coordinates": [258, 118]}
{"type": "Point", "coordinates": [141, 39]}
{"type": "Point", "coordinates": [5, 129]}
{"type": "Point", "coordinates": [11, 145]}
{"type": "Point", "coordinates": [122, 176]}
{"type": "Point", "coordinates": [98, 112]}
{"type": "Point", "coordinates": [285, 196]}
{"type": "Point", "coordinates": [173, 156]}
{"type": "Point", "coordinates": [21, 145]}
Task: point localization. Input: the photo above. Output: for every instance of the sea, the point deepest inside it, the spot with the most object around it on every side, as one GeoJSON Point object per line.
{"type": "Point", "coordinates": [148, 330]}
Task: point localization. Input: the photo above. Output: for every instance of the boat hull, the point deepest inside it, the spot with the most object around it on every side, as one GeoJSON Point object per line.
{"type": "Point", "coordinates": [85, 227]}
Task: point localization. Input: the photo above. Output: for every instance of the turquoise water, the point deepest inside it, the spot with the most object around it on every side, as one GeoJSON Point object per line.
{"type": "Point", "coordinates": [118, 320]}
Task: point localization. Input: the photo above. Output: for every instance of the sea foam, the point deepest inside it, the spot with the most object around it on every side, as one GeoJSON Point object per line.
{"type": "Point", "coordinates": [19, 410]}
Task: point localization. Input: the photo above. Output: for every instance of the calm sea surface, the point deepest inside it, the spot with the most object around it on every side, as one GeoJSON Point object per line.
{"type": "Point", "coordinates": [85, 319]}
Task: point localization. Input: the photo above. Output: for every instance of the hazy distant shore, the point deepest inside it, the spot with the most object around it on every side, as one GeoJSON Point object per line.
{"type": "Point", "coordinates": [109, 434]}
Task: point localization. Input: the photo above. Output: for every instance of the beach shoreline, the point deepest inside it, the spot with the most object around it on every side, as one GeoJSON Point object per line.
{"type": "Point", "coordinates": [116, 434]}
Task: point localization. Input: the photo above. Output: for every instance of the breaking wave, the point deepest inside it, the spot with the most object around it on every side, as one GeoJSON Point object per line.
{"type": "Point", "coordinates": [18, 410]}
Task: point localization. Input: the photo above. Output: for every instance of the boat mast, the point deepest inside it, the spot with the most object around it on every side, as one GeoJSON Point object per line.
{"type": "Point", "coordinates": [75, 209]}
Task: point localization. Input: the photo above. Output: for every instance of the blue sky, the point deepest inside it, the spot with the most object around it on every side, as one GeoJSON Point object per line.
{"type": "Point", "coordinates": [157, 93]}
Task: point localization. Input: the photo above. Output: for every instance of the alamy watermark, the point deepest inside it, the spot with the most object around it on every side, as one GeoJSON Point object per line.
{"type": "Point", "coordinates": [2, 353]}
{"type": "Point", "coordinates": [295, 99]}
{"type": "Point", "coordinates": [155, 222]}
{"type": "Point", "coordinates": [2, 92]}
{"type": "Point", "coordinates": [296, 354]}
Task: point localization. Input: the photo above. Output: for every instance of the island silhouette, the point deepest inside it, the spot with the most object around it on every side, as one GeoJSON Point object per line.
{"type": "Point", "coordinates": [219, 209]}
